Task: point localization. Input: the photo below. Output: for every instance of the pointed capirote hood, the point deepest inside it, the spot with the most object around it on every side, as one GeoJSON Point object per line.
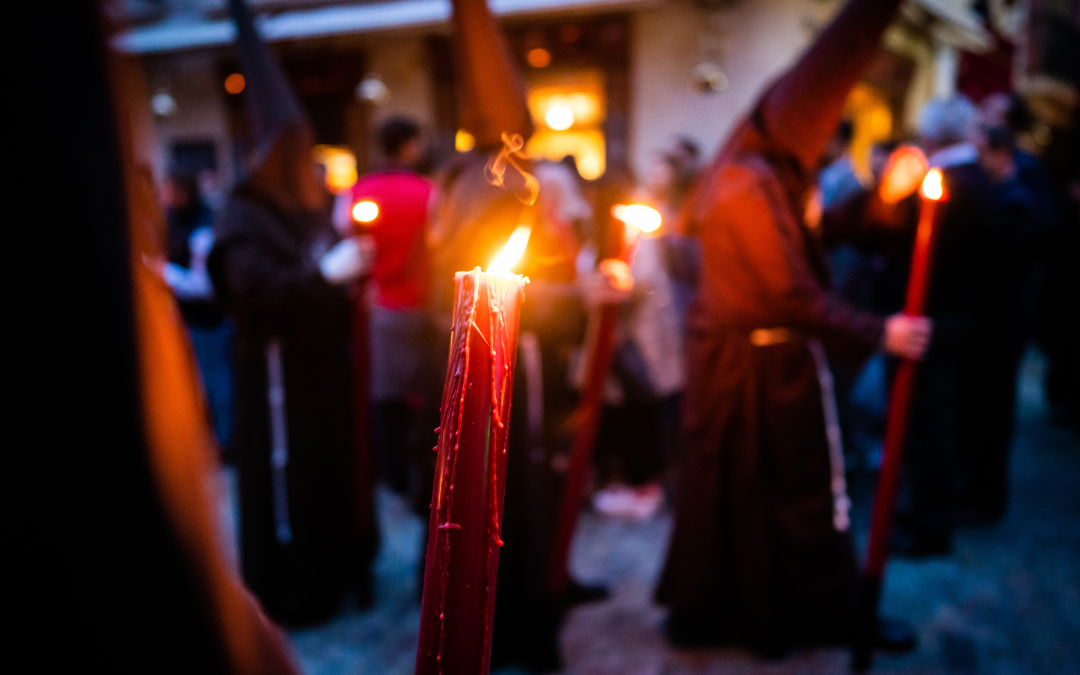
{"type": "Point", "coordinates": [272, 105]}
{"type": "Point", "coordinates": [493, 93]}
{"type": "Point", "coordinates": [800, 111]}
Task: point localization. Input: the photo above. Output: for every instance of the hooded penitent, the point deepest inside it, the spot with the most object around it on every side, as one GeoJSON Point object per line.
{"type": "Point", "coordinates": [306, 531]}
{"type": "Point", "coordinates": [280, 164]}
{"type": "Point", "coordinates": [759, 554]}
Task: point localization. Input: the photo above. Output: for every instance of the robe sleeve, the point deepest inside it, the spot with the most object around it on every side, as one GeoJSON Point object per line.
{"type": "Point", "coordinates": [273, 290]}
{"type": "Point", "coordinates": [761, 268]}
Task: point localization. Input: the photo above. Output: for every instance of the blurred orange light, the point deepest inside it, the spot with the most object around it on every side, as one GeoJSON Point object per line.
{"type": "Point", "coordinates": [618, 272]}
{"type": "Point", "coordinates": [234, 84]}
{"type": "Point", "coordinates": [519, 239]}
{"type": "Point", "coordinates": [365, 212]}
{"type": "Point", "coordinates": [903, 173]}
{"type": "Point", "coordinates": [538, 58]}
{"type": "Point", "coordinates": [932, 187]}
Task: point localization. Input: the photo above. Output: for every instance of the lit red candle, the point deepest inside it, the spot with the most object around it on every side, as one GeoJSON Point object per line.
{"type": "Point", "coordinates": [933, 194]}
{"type": "Point", "coordinates": [635, 219]}
{"type": "Point", "coordinates": [466, 504]}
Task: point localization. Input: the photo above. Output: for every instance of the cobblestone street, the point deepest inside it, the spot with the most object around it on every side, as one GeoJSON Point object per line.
{"type": "Point", "coordinates": [1007, 601]}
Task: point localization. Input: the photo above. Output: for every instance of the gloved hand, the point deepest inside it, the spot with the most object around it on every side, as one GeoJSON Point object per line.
{"type": "Point", "coordinates": [350, 259]}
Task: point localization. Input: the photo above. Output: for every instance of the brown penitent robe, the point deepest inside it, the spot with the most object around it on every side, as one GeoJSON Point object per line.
{"type": "Point", "coordinates": [757, 557]}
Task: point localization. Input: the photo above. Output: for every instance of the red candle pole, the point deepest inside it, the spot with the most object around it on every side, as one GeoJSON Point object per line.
{"type": "Point", "coordinates": [933, 195]}
{"type": "Point", "coordinates": [466, 504]}
{"type": "Point", "coordinates": [639, 219]}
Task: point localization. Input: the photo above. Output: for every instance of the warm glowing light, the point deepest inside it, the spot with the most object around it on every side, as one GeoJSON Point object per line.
{"type": "Point", "coordinates": [618, 272]}
{"type": "Point", "coordinates": [642, 217]}
{"type": "Point", "coordinates": [464, 141]}
{"type": "Point", "coordinates": [234, 84]}
{"type": "Point", "coordinates": [904, 171]}
{"type": "Point", "coordinates": [538, 58]}
{"type": "Point", "coordinates": [932, 187]}
{"type": "Point", "coordinates": [559, 117]}
{"type": "Point", "coordinates": [519, 239]}
{"type": "Point", "coordinates": [365, 212]}
{"type": "Point", "coordinates": [340, 166]}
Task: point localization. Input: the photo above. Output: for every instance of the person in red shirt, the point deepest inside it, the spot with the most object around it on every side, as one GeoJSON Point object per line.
{"type": "Point", "coordinates": [391, 206]}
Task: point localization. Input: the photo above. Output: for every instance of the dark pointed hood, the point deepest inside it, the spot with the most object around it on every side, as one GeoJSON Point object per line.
{"type": "Point", "coordinates": [800, 111]}
{"type": "Point", "coordinates": [271, 102]}
{"type": "Point", "coordinates": [281, 166]}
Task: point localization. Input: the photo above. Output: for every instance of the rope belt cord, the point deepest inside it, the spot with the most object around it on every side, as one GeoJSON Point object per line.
{"type": "Point", "coordinates": [841, 501]}
{"type": "Point", "coordinates": [279, 441]}
{"type": "Point", "coordinates": [764, 337]}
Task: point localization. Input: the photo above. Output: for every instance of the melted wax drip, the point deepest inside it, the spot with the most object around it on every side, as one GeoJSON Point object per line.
{"type": "Point", "coordinates": [451, 423]}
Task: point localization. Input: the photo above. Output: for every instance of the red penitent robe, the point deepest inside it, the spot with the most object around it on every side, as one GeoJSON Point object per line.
{"type": "Point", "coordinates": [755, 557]}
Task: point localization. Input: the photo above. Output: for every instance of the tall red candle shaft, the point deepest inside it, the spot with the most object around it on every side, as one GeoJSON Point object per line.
{"type": "Point", "coordinates": [902, 387]}
{"type": "Point", "coordinates": [466, 504]}
{"type": "Point", "coordinates": [589, 410]}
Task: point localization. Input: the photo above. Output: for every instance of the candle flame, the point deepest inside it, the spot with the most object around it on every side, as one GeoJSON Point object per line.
{"type": "Point", "coordinates": [519, 239]}
{"type": "Point", "coordinates": [642, 217]}
{"type": "Point", "coordinates": [365, 212]}
{"type": "Point", "coordinates": [932, 186]}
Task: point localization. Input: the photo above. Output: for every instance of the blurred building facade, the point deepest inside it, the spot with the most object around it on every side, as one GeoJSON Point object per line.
{"type": "Point", "coordinates": [611, 82]}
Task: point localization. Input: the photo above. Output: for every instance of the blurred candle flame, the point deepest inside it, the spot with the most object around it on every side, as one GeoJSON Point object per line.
{"type": "Point", "coordinates": [906, 168]}
{"type": "Point", "coordinates": [365, 212]}
{"type": "Point", "coordinates": [496, 170]}
{"type": "Point", "coordinates": [642, 217]}
{"type": "Point", "coordinates": [618, 272]}
{"type": "Point", "coordinates": [519, 239]}
{"type": "Point", "coordinates": [932, 187]}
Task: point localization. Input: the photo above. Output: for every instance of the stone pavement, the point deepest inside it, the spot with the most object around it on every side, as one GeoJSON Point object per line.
{"type": "Point", "coordinates": [1006, 602]}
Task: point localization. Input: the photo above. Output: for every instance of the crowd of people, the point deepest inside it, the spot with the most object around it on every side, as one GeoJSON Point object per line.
{"type": "Point", "coordinates": [754, 346]}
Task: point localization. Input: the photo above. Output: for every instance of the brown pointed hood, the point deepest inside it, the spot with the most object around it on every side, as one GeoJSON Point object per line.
{"type": "Point", "coordinates": [800, 111]}
{"type": "Point", "coordinates": [493, 93]}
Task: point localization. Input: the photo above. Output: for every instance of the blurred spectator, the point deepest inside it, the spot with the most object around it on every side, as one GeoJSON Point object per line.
{"type": "Point", "coordinates": [838, 179]}
{"type": "Point", "coordinates": [1004, 317]}
{"type": "Point", "coordinates": [400, 332]}
{"type": "Point", "coordinates": [926, 508]}
{"type": "Point", "coordinates": [190, 237]}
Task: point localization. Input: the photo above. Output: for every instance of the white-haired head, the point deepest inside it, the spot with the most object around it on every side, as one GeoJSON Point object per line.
{"type": "Point", "coordinates": [945, 121]}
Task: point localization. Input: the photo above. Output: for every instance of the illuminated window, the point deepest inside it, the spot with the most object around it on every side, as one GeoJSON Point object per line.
{"type": "Point", "coordinates": [340, 165]}
{"type": "Point", "coordinates": [569, 110]}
